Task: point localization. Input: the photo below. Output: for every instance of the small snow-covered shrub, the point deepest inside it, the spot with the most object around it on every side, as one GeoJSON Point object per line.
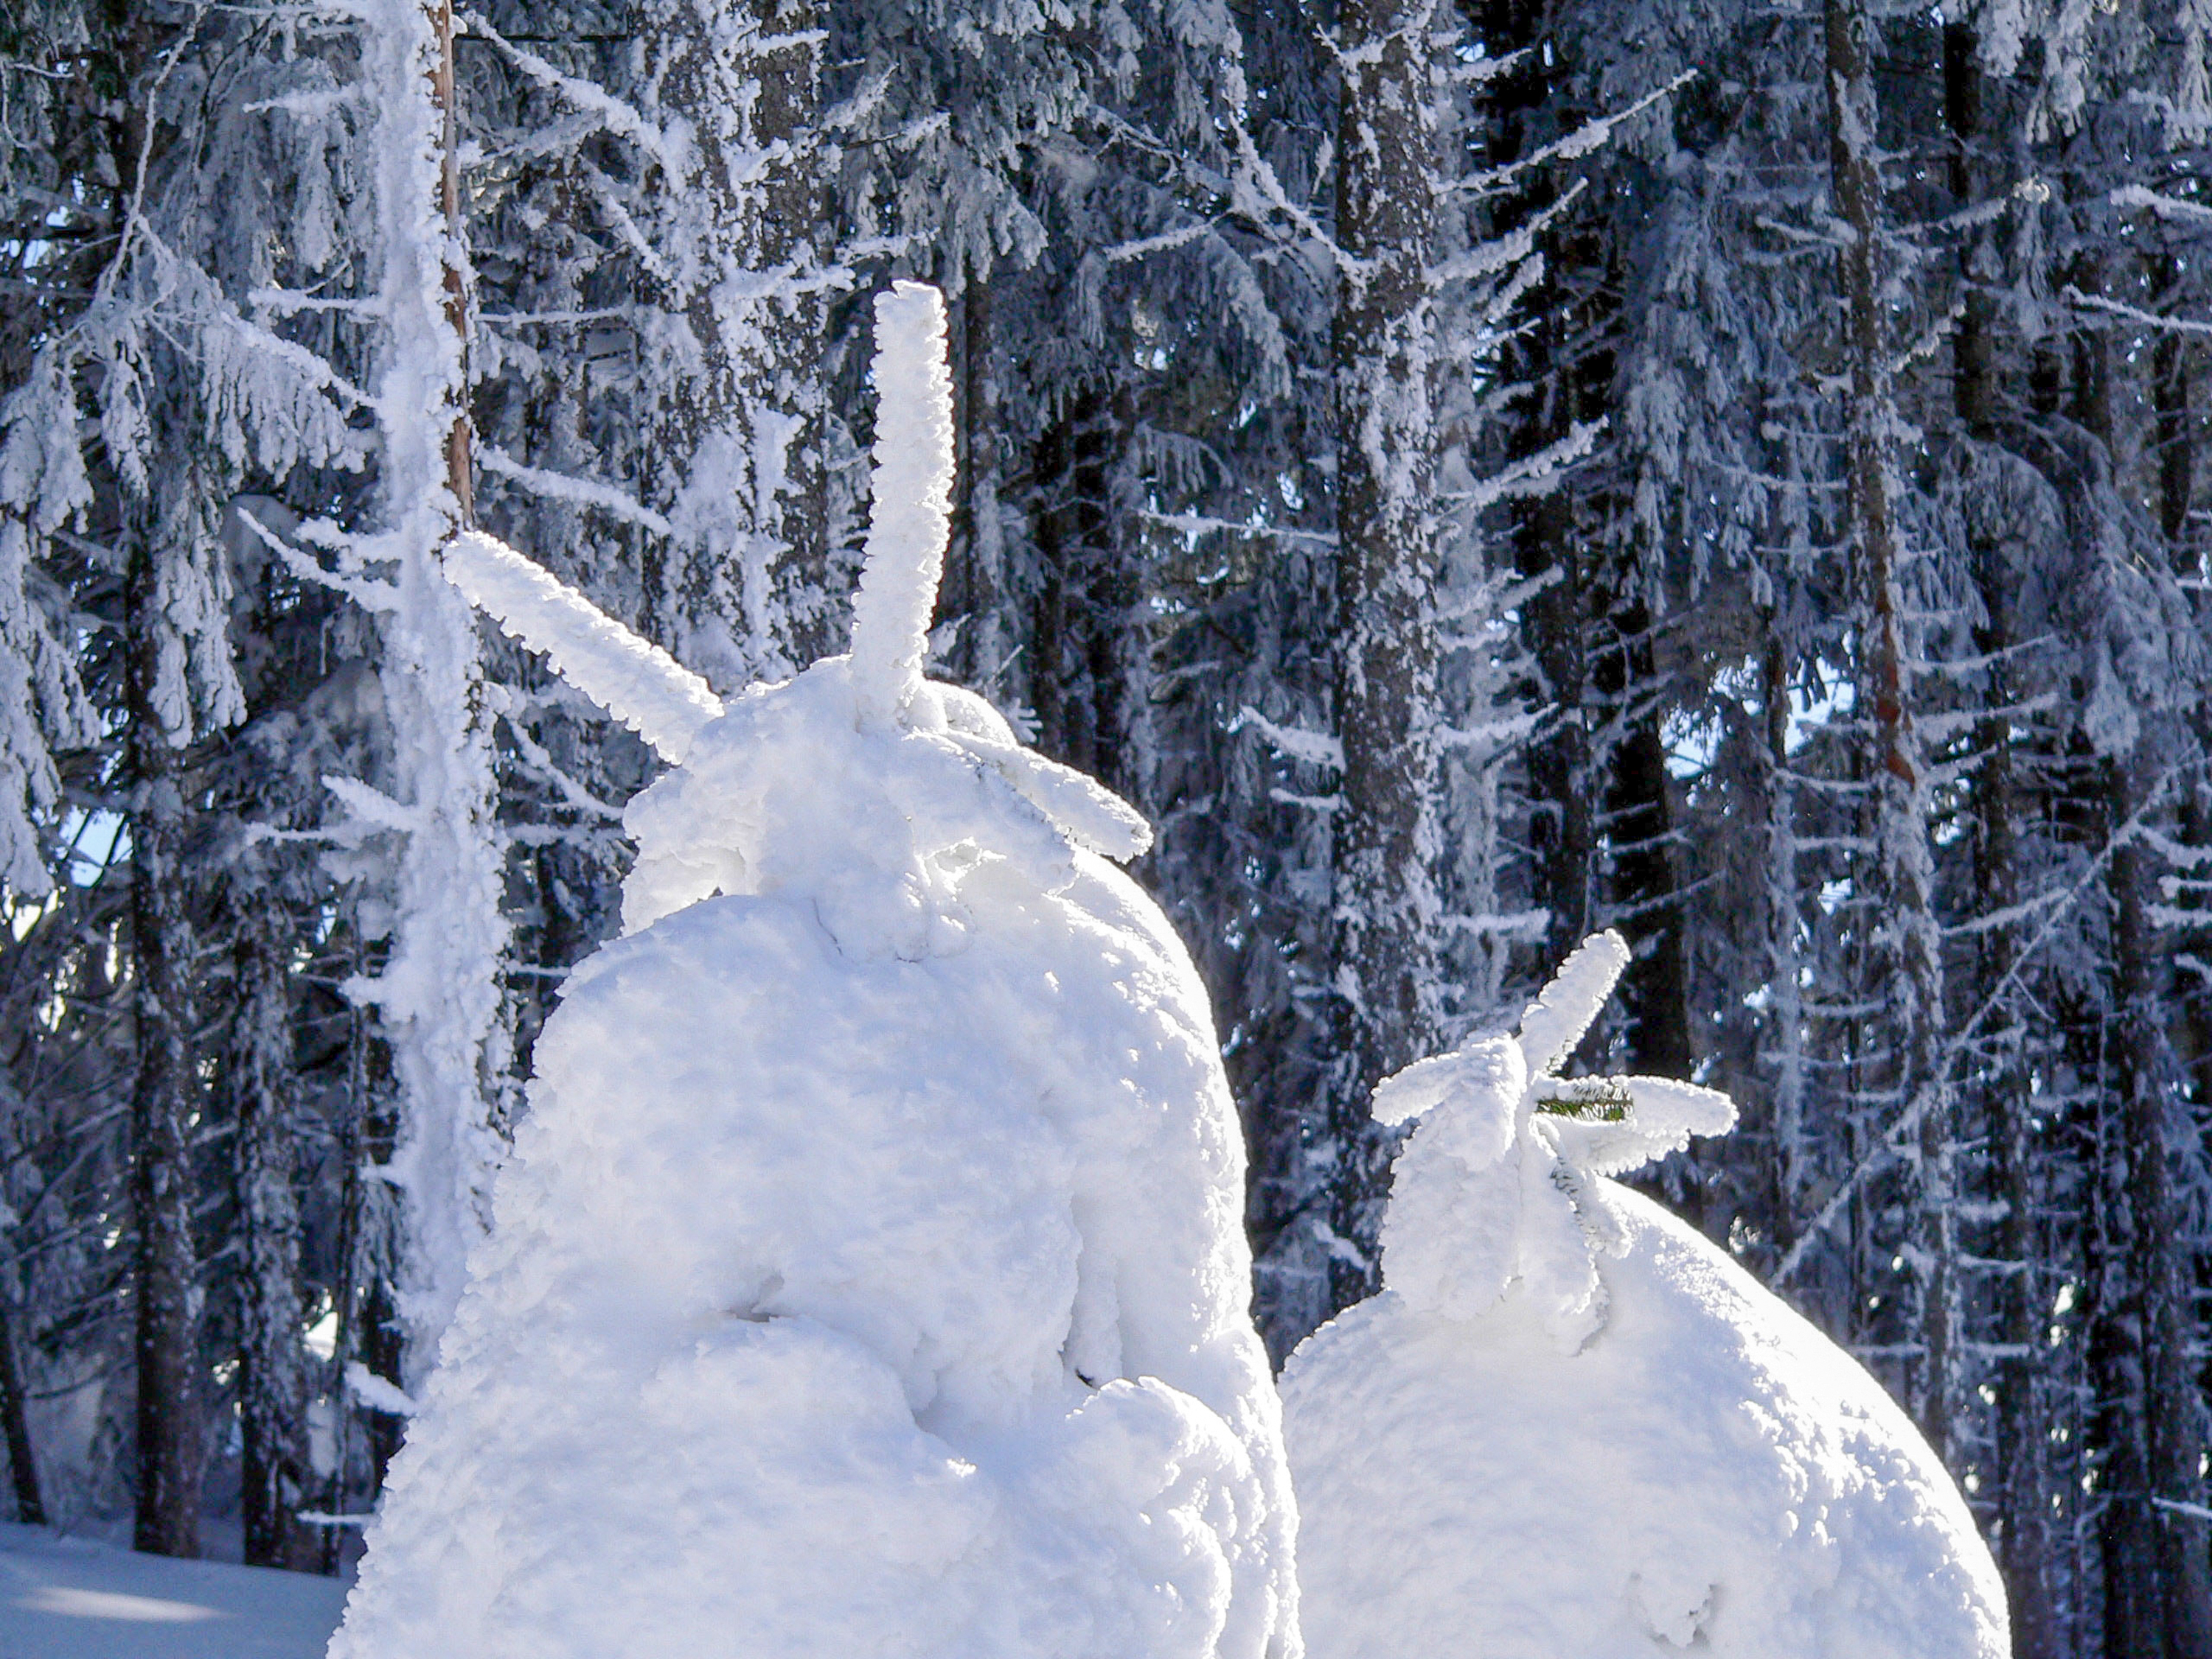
{"type": "Point", "coordinates": [1571, 1428]}
{"type": "Point", "coordinates": [868, 1278]}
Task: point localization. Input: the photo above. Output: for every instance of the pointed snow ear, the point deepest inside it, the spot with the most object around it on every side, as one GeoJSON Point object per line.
{"type": "Point", "coordinates": [1481, 1084]}
{"type": "Point", "coordinates": [1092, 816]}
{"type": "Point", "coordinates": [1417, 1091]}
{"type": "Point", "coordinates": [1664, 1114]}
{"type": "Point", "coordinates": [1563, 1010]}
{"type": "Point", "coordinates": [632, 678]}
{"type": "Point", "coordinates": [1675, 1111]}
{"type": "Point", "coordinates": [909, 518]}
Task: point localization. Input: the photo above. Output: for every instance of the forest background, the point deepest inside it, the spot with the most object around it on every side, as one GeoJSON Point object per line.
{"type": "Point", "coordinates": [1471, 475]}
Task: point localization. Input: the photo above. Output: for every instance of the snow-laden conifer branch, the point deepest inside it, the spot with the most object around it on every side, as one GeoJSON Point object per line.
{"type": "Point", "coordinates": [632, 678]}
{"type": "Point", "coordinates": [1592, 135]}
{"type": "Point", "coordinates": [1313, 748]}
{"type": "Point", "coordinates": [910, 522]}
{"type": "Point", "coordinates": [1897, 1140]}
{"type": "Point", "coordinates": [2135, 314]}
{"type": "Point", "coordinates": [2166, 207]}
{"type": "Point", "coordinates": [588, 97]}
{"type": "Point", "coordinates": [563, 487]}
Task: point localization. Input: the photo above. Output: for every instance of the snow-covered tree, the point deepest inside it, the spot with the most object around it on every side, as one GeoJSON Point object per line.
{"type": "Point", "coordinates": [874, 1231]}
{"type": "Point", "coordinates": [1569, 1423]}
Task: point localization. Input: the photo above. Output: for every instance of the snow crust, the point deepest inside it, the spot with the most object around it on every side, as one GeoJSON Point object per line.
{"type": "Point", "coordinates": [869, 1274]}
{"type": "Point", "coordinates": [1571, 1425]}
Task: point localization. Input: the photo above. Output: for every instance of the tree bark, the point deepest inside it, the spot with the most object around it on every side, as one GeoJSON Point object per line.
{"type": "Point", "coordinates": [1386, 835]}
{"type": "Point", "coordinates": [22, 1459]}
{"type": "Point", "coordinates": [272, 1394]}
{"type": "Point", "coordinates": [1088, 660]}
{"type": "Point", "coordinates": [1906, 960]}
{"type": "Point", "coordinates": [2021, 1292]}
{"type": "Point", "coordinates": [165, 1102]}
{"type": "Point", "coordinates": [2158, 1574]}
{"type": "Point", "coordinates": [733, 432]}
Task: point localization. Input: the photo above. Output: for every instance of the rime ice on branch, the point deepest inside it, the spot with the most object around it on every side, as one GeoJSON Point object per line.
{"type": "Point", "coordinates": [868, 1277]}
{"type": "Point", "coordinates": [1570, 1424]}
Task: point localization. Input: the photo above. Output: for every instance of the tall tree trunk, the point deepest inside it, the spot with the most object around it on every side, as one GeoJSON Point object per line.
{"type": "Point", "coordinates": [1521, 107]}
{"type": "Point", "coordinates": [2021, 1292]}
{"type": "Point", "coordinates": [438, 997]}
{"type": "Point", "coordinates": [2158, 1574]}
{"type": "Point", "coordinates": [974, 592]}
{"type": "Point", "coordinates": [1639, 829]}
{"type": "Point", "coordinates": [272, 1395]}
{"type": "Point", "coordinates": [165, 1095]}
{"type": "Point", "coordinates": [1785, 1013]}
{"type": "Point", "coordinates": [1386, 834]}
{"type": "Point", "coordinates": [733, 431]}
{"type": "Point", "coordinates": [1088, 660]}
{"type": "Point", "coordinates": [15, 1420]}
{"type": "Point", "coordinates": [1906, 960]}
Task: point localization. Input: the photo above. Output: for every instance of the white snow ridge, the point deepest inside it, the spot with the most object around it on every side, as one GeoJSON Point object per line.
{"type": "Point", "coordinates": [1571, 1428]}
{"type": "Point", "coordinates": [868, 1278]}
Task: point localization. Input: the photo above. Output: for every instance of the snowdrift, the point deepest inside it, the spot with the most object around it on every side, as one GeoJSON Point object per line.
{"type": "Point", "coordinates": [1570, 1425]}
{"type": "Point", "coordinates": [868, 1277]}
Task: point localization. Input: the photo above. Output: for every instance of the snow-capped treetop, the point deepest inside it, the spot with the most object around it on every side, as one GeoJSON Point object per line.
{"type": "Point", "coordinates": [1570, 1423]}
{"type": "Point", "coordinates": [762, 798]}
{"type": "Point", "coordinates": [872, 1252]}
{"type": "Point", "coordinates": [1487, 1195]}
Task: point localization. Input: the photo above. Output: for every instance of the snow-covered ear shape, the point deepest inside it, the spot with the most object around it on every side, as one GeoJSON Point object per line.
{"type": "Point", "coordinates": [909, 520]}
{"type": "Point", "coordinates": [907, 528]}
{"type": "Point", "coordinates": [630, 677]}
{"type": "Point", "coordinates": [1567, 1007]}
{"type": "Point", "coordinates": [908, 525]}
{"type": "Point", "coordinates": [1606, 1125]}
{"type": "Point", "coordinates": [1494, 1190]}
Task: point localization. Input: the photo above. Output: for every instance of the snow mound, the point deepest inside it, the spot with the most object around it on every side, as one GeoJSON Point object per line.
{"type": "Point", "coordinates": [869, 1275]}
{"type": "Point", "coordinates": [1570, 1425]}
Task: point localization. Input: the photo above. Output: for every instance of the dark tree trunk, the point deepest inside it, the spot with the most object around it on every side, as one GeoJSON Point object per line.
{"type": "Point", "coordinates": [272, 1394]}
{"type": "Point", "coordinates": [2021, 1292]}
{"type": "Point", "coordinates": [1521, 110]}
{"type": "Point", "coordinates": [22, 1460]}
{"type": "Point", "coordinates": [1906, 962]}
{"type": "Point", "coordinates": [1088, 651]}
{"type": "Point", "coordinates": [2158, 1574]}
{"type": "Point", "coordinates": [733, 437]}
{"type": "Point", "coordinates": [1639, 828]}
{"type": "Point", "coordinates": [974, 589]}
{"type": "Point", "coordinates": [165, 1100]}
{"type": "Point", "coordinates": [1385, 846]}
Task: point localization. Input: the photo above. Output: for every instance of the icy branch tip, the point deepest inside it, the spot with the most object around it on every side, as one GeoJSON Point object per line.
{"type": "Point", "coordinates": [631, 677]}
{"type": "Point", "coordinates": [1556, 1020]}
{"type": "Point", "coordinates": [910, 524]}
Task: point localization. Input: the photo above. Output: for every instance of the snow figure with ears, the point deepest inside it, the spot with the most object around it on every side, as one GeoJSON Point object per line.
{"type": "Point", "coordinates": [868, 1276]}
{"type": "Point", "coordinates": [1571, 1428]}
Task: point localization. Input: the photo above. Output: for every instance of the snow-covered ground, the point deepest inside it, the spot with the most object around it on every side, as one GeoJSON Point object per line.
{"type": "Point", "coordinates": [70, 1598]}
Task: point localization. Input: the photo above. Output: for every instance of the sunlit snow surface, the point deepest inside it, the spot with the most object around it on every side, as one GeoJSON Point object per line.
{"type": "Point", "coordinates": [64, 1598]}
{"type": "Point", "coordinates": [869, 1276]}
